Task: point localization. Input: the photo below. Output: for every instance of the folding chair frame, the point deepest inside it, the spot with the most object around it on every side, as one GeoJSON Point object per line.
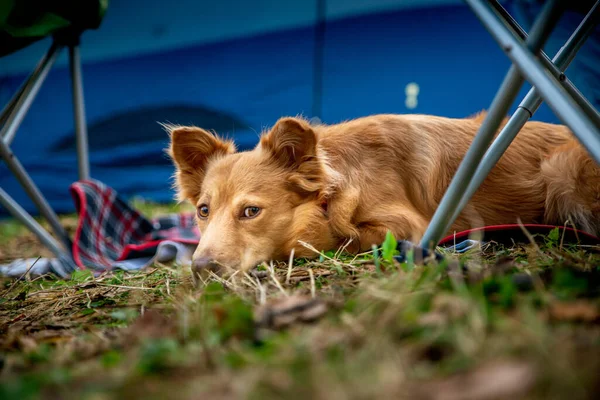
{"type": "Point", "coordinates": [549, 84]}
{"type": "Point", "coordinates": [10, 120]}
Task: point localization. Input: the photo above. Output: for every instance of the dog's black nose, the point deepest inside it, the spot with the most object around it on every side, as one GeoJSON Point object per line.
{"type": "Point", "coordinates": [204, 264]}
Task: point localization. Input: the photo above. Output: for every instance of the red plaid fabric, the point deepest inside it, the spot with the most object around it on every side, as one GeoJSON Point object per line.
{"type": "Point", "coordinates": [109, 230]}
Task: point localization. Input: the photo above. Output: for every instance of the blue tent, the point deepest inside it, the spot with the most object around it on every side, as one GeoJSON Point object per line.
{"type": "Point", "coordinates": [237, 66]}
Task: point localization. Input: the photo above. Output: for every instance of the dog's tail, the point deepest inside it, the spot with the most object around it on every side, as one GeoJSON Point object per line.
{"type": "Point", "coordinates": [572, 179]}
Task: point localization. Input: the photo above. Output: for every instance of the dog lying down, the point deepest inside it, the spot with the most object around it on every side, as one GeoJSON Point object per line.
{"type": "Point", "coordinates": [325, 185]}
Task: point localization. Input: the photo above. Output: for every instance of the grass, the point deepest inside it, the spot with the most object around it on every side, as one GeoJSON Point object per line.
{"type": "Point", "coordinates": [498, 322]}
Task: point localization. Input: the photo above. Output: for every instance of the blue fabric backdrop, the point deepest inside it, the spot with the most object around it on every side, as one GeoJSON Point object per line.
{"type": "Point", "coordinates": [242, 81]}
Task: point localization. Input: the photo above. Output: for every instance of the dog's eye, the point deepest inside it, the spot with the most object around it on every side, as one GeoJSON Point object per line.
{"type": "Point", "coordinates": [203, 211]}
{"type": "Point", "coordinates": [251, 212]}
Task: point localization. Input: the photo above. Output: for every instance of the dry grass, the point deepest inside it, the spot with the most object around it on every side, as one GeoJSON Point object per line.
{"type": "Point", "coordinates": [522, 322]}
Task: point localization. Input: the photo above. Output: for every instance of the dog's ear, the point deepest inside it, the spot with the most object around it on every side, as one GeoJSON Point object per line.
{"type": "Point", "coordinates": [291, 141]}
{"type": "Point", "coordinates": [293, 144]}
{"type": "Point", "coordinates": [191, 149]}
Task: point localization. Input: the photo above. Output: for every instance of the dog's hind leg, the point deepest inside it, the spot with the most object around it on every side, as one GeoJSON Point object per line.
{"type": "Point", "coordinates": [572, 180]}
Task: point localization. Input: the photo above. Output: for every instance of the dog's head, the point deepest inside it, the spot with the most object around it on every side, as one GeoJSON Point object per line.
{"type": "Point", "coordinates": [252, 206]}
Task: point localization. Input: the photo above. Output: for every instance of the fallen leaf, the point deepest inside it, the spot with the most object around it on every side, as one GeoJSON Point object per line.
{"type": "Point", "coordinates": [285, 311]}
{"type": "Point", "coordinates": [302, 274]}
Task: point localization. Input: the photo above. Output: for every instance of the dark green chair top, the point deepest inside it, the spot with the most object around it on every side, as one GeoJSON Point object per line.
{"type": "Point", "coordinates": [23, 22]}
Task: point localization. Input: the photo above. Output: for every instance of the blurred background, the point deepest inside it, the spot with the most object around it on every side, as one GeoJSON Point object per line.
{"type": "Point", "coordinates": [237, 66]}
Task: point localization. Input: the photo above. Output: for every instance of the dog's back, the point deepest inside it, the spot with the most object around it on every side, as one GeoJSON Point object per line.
{"type": "Point", "coordinates": [406, 162]}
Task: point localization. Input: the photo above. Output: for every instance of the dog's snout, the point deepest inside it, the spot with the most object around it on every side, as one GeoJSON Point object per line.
{"type": "Point", "coordinates": [204, 264]}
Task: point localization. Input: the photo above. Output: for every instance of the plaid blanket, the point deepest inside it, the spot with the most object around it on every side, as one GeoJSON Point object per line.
{"type": "Point", "coordinates": [110, 234]}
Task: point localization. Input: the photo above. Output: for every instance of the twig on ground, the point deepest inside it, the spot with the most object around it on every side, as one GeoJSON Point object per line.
{"type": "Point", "coordinates": [532, 240]}
{"type": "Point", "coordinates": [289, 270]}
{"type": "Point", "coordinates": [219, 279]}
{"type": "Point", "coordinates": [124, 287]}
{"type": "Point", "coordinates": [21, 277]}
{"type": "Point", "coordinates": [342, 248]}
{"type": "Point", "coordinates": [360, 255]}
{"type": "Point", "coordinates": [312, 283]}
{"type": "Point", "coordinates": [262, 292]}
{"type": "Point", "coordinates": [248, 278]}
{"type": "Point", "coordinates": [271, 269]}
{"type": "Point", "coordinates": [313, 249]}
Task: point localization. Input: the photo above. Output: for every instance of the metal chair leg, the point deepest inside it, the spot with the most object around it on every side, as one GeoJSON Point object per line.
{"type": "Point", "coordinates": [11, 118]}
{"type": "Point", "coordinates": [10, 106]}
{"type": "Point", "coordinates": [34, 193]}
{"type": "Point", "coordinates": [587, 26]}
{"type": "Point", "coordinates": [527, 108]}
{"type": "Point", "coordinates": [23, 99]}
{"type": "Point", "coordinates": [504, 97]}
{"type": "Point", "coordinates": [79, 113]}
{"type": "Point", "coordinates": [549, 88]}
{"type": "Point", "coordinates": [23, 216]}
{"type": "Point", "coordinates": [14, 117]}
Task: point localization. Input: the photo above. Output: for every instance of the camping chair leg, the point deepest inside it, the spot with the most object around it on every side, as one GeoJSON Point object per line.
{"type": "Point", "coordinates": [581, 101]}
{"type": "Point", "coordinates": [15, 111]}
{"type": "Point", "coordinates": [549, 88]}
{"type": "Point", "coordinates": [527, 108]}
{"type": "Point", "coordinates": [504, 97]}
{"type": "Point", "coordinates": [10, 106]}
{"type": "Point", "coordinates": [19, 213]}
{"type": "Point", "coordinates": [589, 23]}
{"type": "Point", "coordinates": [79, 113]}
{"type": "Point", "coordinates": [15, 114]}
{"type": "Point", "coordinates": [33, 192]}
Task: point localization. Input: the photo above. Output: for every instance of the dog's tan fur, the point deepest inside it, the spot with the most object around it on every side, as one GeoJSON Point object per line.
{"type": "Point", "coordinates": [356, 180]}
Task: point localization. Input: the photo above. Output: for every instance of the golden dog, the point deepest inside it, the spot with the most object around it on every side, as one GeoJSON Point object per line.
{"type": "Point", "coordinates": [325, 185]}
